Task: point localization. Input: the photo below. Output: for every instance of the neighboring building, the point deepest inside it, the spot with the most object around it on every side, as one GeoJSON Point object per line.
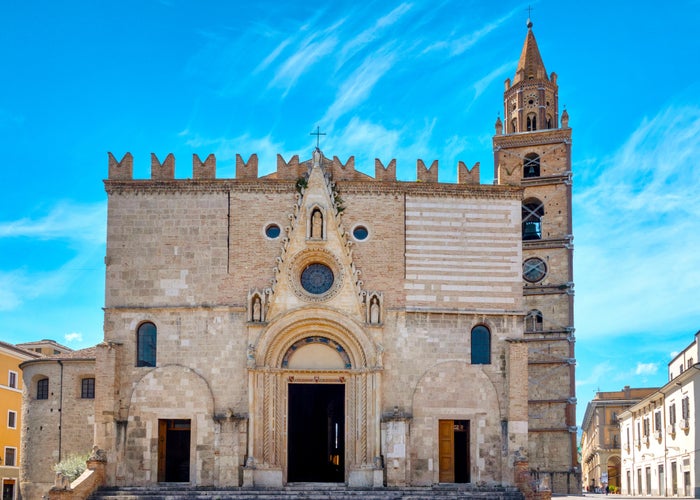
{"type": "Point", "coordinates": [59, 412]}
{"type": "Point", "coordinates": [321, 325]}
{"type": "Point", "coordinates": [46, 347]}
{"type": "Point", "coordinates": [660, 435]}
{"type": "Point", "coordinates": [600, 439]}
{"type": "Point", "coordinates": [11, 416]}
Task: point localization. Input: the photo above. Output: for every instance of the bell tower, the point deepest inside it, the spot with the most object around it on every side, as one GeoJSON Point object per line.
{"type": "Point", "coordinates": [532, 149]}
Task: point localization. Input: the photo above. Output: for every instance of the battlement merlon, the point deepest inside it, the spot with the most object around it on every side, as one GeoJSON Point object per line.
{"type": "Point", "coordinates": [123, 170]}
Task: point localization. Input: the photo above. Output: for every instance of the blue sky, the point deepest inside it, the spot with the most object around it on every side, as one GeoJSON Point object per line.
{"type": "Point", "coordinates": [384, 79]}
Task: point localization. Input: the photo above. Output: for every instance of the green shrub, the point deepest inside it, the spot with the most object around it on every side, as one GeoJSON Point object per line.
{"type": "Point", "coordinates": [72, 466]}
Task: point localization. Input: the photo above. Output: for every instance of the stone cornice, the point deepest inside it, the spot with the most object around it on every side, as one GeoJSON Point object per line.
{"type": "Point", "coordinates": [549, 243]}
{"type": "Point", "coordinates": [198, 186]}
{"type": "Point", "coordinates": [148, 186]}
{"type": "Point", "coordinates": [540, 137]}
{"type": "Point", "coordinates": [547, 180]}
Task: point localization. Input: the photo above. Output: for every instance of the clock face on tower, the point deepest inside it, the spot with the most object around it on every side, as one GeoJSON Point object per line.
{"type": "Point", "coordinates": [534, 270]}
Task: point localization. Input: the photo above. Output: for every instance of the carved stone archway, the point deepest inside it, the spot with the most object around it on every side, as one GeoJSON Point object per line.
{"type": "Point", "coordinates": [270, 375]}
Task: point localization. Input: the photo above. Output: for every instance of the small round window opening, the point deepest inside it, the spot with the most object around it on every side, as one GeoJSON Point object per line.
{"type": "Point", "coordinates": [360, 233]}
{"type": "Point", "coordinates": [272, 231]}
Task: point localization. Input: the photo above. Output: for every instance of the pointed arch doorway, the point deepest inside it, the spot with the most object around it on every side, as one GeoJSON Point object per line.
{"type": "Point", "coordinates": [316, 433]}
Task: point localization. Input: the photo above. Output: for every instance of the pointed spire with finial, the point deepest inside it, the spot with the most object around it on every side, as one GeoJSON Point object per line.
{"type": "Point", "coordinates": [530, 65]}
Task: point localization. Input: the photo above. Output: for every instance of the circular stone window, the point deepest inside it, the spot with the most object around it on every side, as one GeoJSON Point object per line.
{"type": "Point", "coordinates": [317, 278]}
{"type": "Point", "coordinates": [534, 270]}
{"type": "Point", "coordinates": [272, 231]}
{"type": "Point", "coordinates": [360, 233]}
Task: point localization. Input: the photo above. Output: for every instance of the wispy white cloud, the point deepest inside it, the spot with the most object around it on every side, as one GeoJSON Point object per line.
{"type": "Point", "coordinates": [226, 148]}
{"type": "Point", "coordinates": [66, 220]}
{"type": "Point", "coordinates": [646, 369]}
{"type": "Point", "coordinates": [74, 337]}
{"type": "Point", "coordinates": [82, 227]}
{"type": "Point", "coordinates": [487, 81]}
{"type": "Point", "coordinates": [642, 202]}
{"type": "Point", "coordinates": [272, 56]}
{"type": "Point", "coordinates": [597, 374]}
{"type": "Point", "coordinates": [369, 140]}
{"type": "Point", "coordinates": [358, 86]}
{"type": "Point", "coordinates": [457, 46]}
{"type": "Point", "coordinates": [366, 37]}
{"type": "Point", "coordinates": [310, 50]}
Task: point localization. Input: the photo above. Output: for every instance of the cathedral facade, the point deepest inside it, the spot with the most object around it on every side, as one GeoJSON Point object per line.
{"type": "Point", "coordinates": [319, 324]}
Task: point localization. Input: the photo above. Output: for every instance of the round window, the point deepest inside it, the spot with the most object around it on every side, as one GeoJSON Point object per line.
{"type": "Point", "coordinates": [360, 233]}
{"type": "Point", "coordinates": [317, 278]}
{"type": "Point", "coordinates": [534, 270]}
{"type": "Point", "coordinates": [272, 231]}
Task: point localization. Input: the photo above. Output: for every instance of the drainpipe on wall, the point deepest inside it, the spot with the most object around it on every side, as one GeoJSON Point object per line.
{"type": "Point", "coordinates": [60, 411]}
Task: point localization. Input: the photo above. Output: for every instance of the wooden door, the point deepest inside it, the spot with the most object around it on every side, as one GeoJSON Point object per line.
{"type": "Point", "coordinates": [162, 435]}
{"type": "Point", "coordinates": [446, 451]}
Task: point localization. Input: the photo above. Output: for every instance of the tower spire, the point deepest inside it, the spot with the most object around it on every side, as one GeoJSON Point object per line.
{"type": "Point", "coordinates": [530, 65]}
{"type": "Point", "coordinates": [530, 102]}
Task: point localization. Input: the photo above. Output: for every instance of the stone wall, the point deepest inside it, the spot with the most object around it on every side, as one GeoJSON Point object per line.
{"type": "Point", "coordinates": [57, 427]}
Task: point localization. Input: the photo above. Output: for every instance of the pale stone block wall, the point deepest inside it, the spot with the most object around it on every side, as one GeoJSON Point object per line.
{"type": "Point", "coordinates": [54, 428]}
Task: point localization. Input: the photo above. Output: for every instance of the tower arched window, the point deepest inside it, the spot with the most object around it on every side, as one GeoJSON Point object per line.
{"type": "Point", "coordinates": [531, 122]}
{"type": "Point", "coordinates": [513, 126]}
{"type": "Point", "coordinates": [481, 345]}
{"type": "Point", "coordinates": [533, 211]}
{"type": "Point", "coordinates": [146, 343]}
{"type": "Point", "coordinates": [550, 121]}
{"type": "Point", "coordinates": [531, 165]}
{"type": "Point", "coordinates": [533, 321]}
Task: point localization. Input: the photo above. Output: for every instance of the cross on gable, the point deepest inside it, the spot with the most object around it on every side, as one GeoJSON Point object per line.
{"type": "Point", "coordinates": [318, 134]}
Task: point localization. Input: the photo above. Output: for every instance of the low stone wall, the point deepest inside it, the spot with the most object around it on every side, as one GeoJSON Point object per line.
{"type": "Point", "coordinates": [88, 482]}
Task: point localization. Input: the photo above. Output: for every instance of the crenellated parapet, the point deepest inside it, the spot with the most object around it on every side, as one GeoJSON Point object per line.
{"type": "Point", "coordinates": [121, 170]}
{"type": "Point", "coordinates": [247, 170]}
{"type": "Point", "coordinates": [467, 176]}
{"type": "Point", "coordinates": [291, 170]}
{"type": "Point", "coordinates": [429, 174]}
{"type": "Point", "coordinates": [162, 171]}
{"type": "Point", "coordinates": [382, 173]}
{"type": "Point", "coordinates": [204, 170]}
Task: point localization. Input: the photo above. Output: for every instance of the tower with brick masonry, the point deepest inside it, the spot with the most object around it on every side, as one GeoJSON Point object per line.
{"type": "Point", "coordinates": [533, 150]}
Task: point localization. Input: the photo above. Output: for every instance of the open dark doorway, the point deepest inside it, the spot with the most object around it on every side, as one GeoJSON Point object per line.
{"type": "Point", "coordinates": [316, 433]}
{"type": "Point", "coordinates": [8, 489]}
{"type": "Point", "coordinates": [174, 451]}
{"type": "Point", "coordinates": [454, 451]}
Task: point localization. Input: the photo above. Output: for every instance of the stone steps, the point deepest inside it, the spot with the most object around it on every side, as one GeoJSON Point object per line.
{"type": "Point", "coordinates": [321, 491]}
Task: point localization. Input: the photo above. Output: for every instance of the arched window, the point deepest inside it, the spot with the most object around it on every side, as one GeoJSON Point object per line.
{"type": "Point", "coordinates": [531, 165]}
{"type": "Point", "coordinates": [532, 212]}
{"type": "Point", "coordinates": [533, 321]}
{"type": "Point", "coordinates": [513, 126]}
{"type": "Point", "coordinates": [531, 122]}
{"type": "Point", "coordinates": [549, 121]}
{"type": "Point", "coordinates": [42, 389]}
{"type": "Point", "coordinates": [481, 345]}
{"type": "Point", "coordinates": [146, 341]}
